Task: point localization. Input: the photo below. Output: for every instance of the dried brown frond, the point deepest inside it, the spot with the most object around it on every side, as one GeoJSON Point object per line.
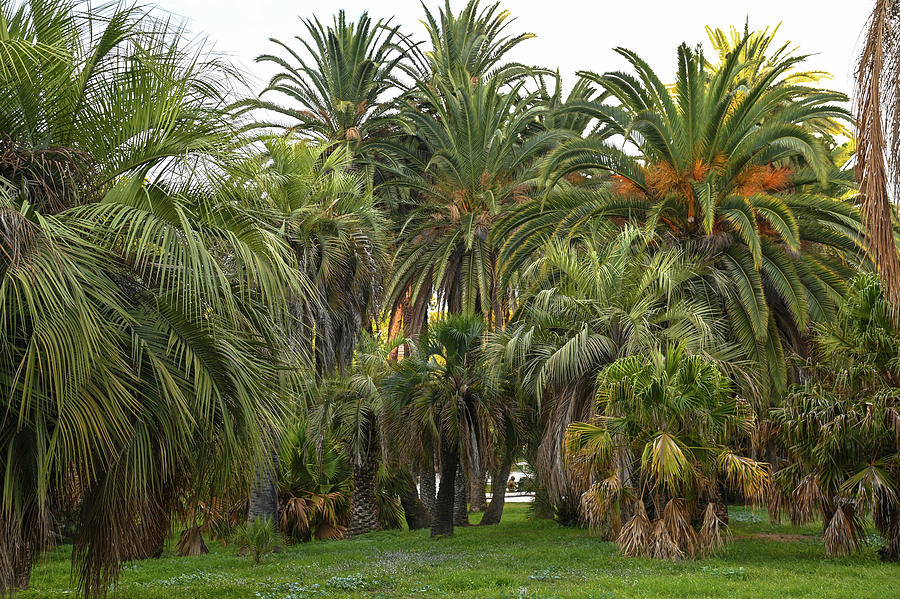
{"type": "Point", "coordinates": [634, 538]}
{"type": "Point", "coordinates": [601, 506]}
{"type": "Point", "coordinates": [662, 545]}
{"type": "Point", "coordinates": [777, 502]}
{"type": "Point", "coordinates": [677, 521]}
{"type": "Point", "coordinates": [327, 532]}
{"type": "Point", "coordinates": [877, 94]}
{"type": "Point", "coordinates": [576, 178]}
{"type": "Point", "coordinates": [352, 134]}
{"type": "Point", "coordinates": [807, 500]}
{"type": "Point", "coordinates": [294, 515]}
{"type": "Point", "coordinates": [844, 530]}
{"type": "Point", "coordinates": [713, 532]}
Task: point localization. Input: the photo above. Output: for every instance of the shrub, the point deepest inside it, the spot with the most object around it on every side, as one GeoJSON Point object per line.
{"type": "Point", "coordinates": [258, 536]}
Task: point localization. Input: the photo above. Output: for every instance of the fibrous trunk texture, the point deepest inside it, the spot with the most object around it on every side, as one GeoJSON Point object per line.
{"type": "Point", "coordinates": [416, 515]}
{"type": "Point", "coordinates": [264, 492]}
{"type": "Point", "coordinates": [442, 523]}
{"type": "Point", "coordinates": [364, 508]}
{"type": "Point", "coordinates": [22, 562]}
{"type": "Point", "coordinates": [460, 499]}
{"type": "Point", "coordinates": [478, 495]}
{"type": "Point", "coordinates": [428, 489]}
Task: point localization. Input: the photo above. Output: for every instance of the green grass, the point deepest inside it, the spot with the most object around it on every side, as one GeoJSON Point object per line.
{"type": "Point", "coordinates": [518, 558]}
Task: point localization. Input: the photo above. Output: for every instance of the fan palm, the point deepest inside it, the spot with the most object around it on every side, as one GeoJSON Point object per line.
{"type": "Point", "coordinates": [657, 445]}
{"type": "Point", "coordinates": [354, 409]}
{"type": "Point", "coordinates": [586, 304]}
{"type": "Point", "coordinates": [713, 172]}
{"type": "Point", "coordinates": [141, 313]}
{"type": "Point", "coordinates": [314, 485]}
{"type": "Point", "coordinates": [326, 213]}
{"type": "Point", "coordinates": [840, 428]}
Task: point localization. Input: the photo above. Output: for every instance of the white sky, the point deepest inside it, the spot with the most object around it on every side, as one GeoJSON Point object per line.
{"type": "Point", "coordinates": [571, 34]}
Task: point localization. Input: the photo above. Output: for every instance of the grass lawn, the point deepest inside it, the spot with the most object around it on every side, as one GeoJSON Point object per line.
{"type": "Point", "coordinates": [518, 558]}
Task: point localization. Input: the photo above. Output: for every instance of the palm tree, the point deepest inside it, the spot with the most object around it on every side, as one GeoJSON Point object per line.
{"type": "Point", "coordinates": [878, 139]}
{"type": "Point", "coordinates": [474, 40]}
{"type": "Point", "coordinates": [585, 304]}
{"type": "Point", "coordinates": [467, 48]}
{"type": "Point", "coordinates": [314, 484]}
{"type": "Point", "coordinates": [325, 213]}
{"type": "Point", "coordinates": [440, 390]}
{"type": "Point", "coordinates": [142, 310]}
{"type": "Point", "coordinates": [724, 176]}
{"type": "Point", "coordinates": [657, 445]}
{"type": "Point", "coordinates": [480, 163]}
{"type": "Point", "coordinates": [340, 84]}
{"type": "Point", "coordinates": [354, 409]}
{"type": "Point", "coordinates": [839, 428]}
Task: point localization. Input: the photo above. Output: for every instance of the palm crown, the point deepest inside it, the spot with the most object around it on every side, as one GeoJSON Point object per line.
{"type": "Point", "coordinates": [725, 175]}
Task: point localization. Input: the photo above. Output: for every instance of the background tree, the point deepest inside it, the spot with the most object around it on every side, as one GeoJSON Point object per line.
{"type": "Point", "coordinates": [326, 214]}
{"type": "Point", "coordinates": [355, 410]}
{"type": "Point", "coordinates": [440, 390]}
{"type": "Point", "coordinates": [341, 85]}
{"type": "Point", "coordinates": [839, 428]}
{"type": "Point", "coordinates": [587, 303]}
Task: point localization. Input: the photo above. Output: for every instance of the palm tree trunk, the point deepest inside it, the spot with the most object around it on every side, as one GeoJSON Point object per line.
{"type": "Point", "coordinates": [460, 499]}
{"type": "Point", "coordinates": [478, 493]}
{"type": "Point", "coordinates": [264, 491]}
{"type": "Point", "coordinates": [364, 508]}
{"type": "Point", "coordinates": [498, 495]}
{"type": "Point", "coordinates": [428, 489]}
{"type": "Point", "coordinates": [23, 559]}
{"type": "Point", "coordinates": [442, 523]}
{"type": "Point", "coordinates": [416, 514]}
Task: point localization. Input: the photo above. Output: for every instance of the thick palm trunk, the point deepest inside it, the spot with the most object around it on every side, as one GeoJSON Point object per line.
{"type": "Point", "coordinates": [460, 499]}
{"type": "Point", "coordinates": [498, 495]}
{"type": "Point", "coordinates": [264, 491]}
{"type": "Point", "coordinates": [478, 493]}
{"type": "Point", "coordinates": [442, 523]}
{"type": "Point", "coordinates": [416, 514]}
{"type": "Point", "coordinates": [428, 489]}
{"type": "Point", "coordinates": [22, 561]}
{"type": "Point", "coordinates": [364, 508]}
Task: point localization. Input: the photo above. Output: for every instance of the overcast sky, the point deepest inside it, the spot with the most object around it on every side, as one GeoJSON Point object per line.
{"type": "Point", "coordinates": [571, 34]}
